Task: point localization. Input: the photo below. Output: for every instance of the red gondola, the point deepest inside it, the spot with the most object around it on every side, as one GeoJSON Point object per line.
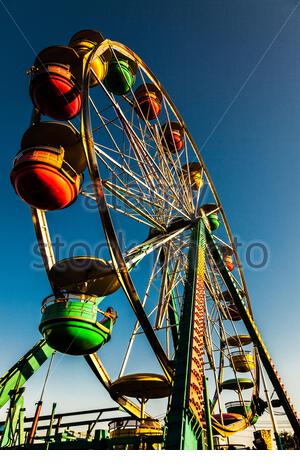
{"type": "Point", "coordinates": [172, 137]}
{"type": "Point", "coordinates": [227, 253]}
{"type": "Point", "coordinates": [47, 170]}
{"type": "Point", "coordinates": [54, 84]}
{"type": "Point", "coordinates": [148, 99]}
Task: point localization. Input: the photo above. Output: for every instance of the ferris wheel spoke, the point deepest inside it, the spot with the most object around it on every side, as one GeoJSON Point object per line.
{"type": "Point", "coordinates": [187, 181]}
{"type": "Point", "coordinates": [142, 152]}
{"type": "Point", "coordinates": [137, 324]}
{"type": "Point", "coordinates": [172, 324]}
{"type": "Point", "coordinates": [117, 148]}
{"type": "Point", "coordinates": [137, 253]}
{"type": "Point", "coordinates": [177, 166]}
{"type": "Point", "coordinates": [121, 211]}
{"type": "Point", "coordinates": [125, 156]}
{"type": "Point", "coordinates": [135, 177]}
{"type": "Point", "coordinates": [138, 197]}
{"type": "Point", "coordinates": [162, 292]}
{"type": "Point", "coordinates": [135, 145]}
{"type": "Point", "coordinates": [104, 156]}
{"type": "Point", "coordinates": [156, 137]}
{"type": "Point", "coordinates": [133, 194]}
{"type": "Point", "coordinates": [115, 190]}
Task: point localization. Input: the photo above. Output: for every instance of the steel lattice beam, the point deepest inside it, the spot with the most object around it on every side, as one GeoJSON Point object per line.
{"type": "Point", "coordinates": [185, 415]}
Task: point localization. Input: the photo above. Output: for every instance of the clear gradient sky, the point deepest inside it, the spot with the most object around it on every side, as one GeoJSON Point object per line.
{"type": "Point", "coordinates": [233, 69]}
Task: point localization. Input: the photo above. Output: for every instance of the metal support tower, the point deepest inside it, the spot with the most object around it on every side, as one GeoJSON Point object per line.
{"type": "Point", "coordinates": [186, 412]}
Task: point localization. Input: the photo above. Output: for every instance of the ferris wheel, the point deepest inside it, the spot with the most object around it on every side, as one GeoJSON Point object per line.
{"type": "Point", "coordinates": [116, 140]}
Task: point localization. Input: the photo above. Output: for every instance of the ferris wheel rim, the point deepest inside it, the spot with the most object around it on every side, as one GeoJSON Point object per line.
{"type": "Point", "coordinates": [85, 118]}
{"type": "Point", "coordinates": [100, 49]}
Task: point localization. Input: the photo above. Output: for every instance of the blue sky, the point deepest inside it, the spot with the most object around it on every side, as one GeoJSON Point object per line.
{"type": "Point", "coordinates": [232, 68]}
